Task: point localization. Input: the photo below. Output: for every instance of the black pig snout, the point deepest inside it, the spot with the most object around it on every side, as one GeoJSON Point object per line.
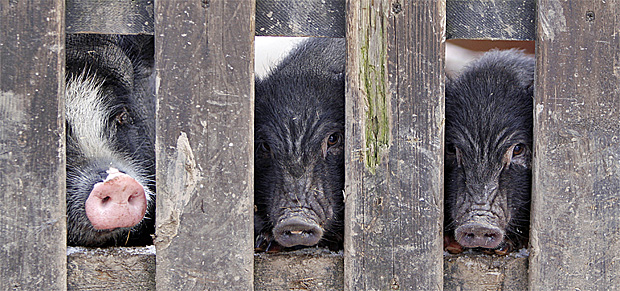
{"type": "Point", "coordinates": [297, 231]}
{"type": "Point", "coordinates": [476, 234]}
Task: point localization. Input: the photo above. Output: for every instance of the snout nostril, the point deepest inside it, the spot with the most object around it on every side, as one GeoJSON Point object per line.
{"type": "Point", "coordinates": [479, 235]}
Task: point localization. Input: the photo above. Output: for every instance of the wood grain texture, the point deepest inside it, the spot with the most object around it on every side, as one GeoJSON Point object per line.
{"type": "Point", "coordinates": [484, 19]}
{"type": "Point", "coordinates": [32, 146]}
{"type": "Point", "coordinates": [394, 155]}
{"type": "Point", "coordinates": [485, 272]}
{"type": "Point", "coordinates": [204, 62]}
{"type": "Point", "coordinates": [306, 269]}
{"type": "Point", "coordinates": [466, 19]}
{"type": "Point", "coordinates": [118, 268]}
{"type": "Point", "coordinates": [575, 233]}
{"type": "Point", "coordinates": [300, 18]}
{"type": "Point", "coordinates": [110, 16]}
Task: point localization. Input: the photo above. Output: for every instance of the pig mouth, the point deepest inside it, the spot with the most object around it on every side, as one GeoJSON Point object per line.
{"type": "Point", "coordinates": [297, 229]}
{"type": "Point", "coordinates": [453, 247]}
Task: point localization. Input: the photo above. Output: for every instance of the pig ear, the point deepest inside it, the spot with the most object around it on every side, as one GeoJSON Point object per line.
{"type": "Point", "coordinates": [448, 83]}
{"type": "Point", "coordinates": [338, 75]}
{"type": "Point", "coordinates": [336, 70]}
{"type": "Point", "coordinates": [527, 81]}
{"type": "Point", "coordinates": [525, 68]}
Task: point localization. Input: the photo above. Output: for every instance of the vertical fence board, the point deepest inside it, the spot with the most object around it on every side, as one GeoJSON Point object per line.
{"type": "Point", "coordinates": [576, 207]}
{"type": "Point", "coordinates": [395, 118]}
{"type": "Point", "coordinates": [204, 62]}
{"type": "Point", "coordinates": [32, 169]}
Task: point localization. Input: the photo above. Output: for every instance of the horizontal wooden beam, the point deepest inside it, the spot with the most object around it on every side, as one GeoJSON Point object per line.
{"type": "Point", "coordinates": [490, 20]}
{"type": "Point", "coordinates": [465, 19]}
{"type": "Point", "coordinates": [109, 17]}
{"type": "Point", "coordinates": [111, 268]}
{"type": "Point", "coordinates": [311, 268]}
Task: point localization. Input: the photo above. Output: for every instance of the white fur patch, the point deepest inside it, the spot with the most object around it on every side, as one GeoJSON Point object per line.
{"type": "Point", "coordinates": [112, 173]}
{"type": "Point", "coordinates": [87, 116]}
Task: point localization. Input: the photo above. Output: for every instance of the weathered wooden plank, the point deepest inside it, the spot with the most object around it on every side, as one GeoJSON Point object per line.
{"type": "Point", "coordinates": [110, 16]}
{"type": "Point", "coordinates": [307, 269]}
{"type": "Point", "coordinates": [32, 152]}
{"type": "Point", "coordinates": [484, 19]}
{"type": "Point", "coordinates": [466, 19]}
{"type": "Point", "coordinates": [486, 272]}
{"type": "Point", "coordinates": [204, 64]}
{"type": "Point", "coordinates": [394, 156]}
{"type": "Point", "coordinates": [111, 268]}
{"type": "Point", "coordinates": [575, 233]}
{"type": "Point", "coordinates": [300, 18]}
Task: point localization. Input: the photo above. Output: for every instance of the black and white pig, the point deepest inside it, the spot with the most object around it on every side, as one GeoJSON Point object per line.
{"type": "Point", "coordinates": [488, 154]}
{"type": "Point", "coordinates": [110, 140]}
{"type": "Point", "coordinates": [299, 149]}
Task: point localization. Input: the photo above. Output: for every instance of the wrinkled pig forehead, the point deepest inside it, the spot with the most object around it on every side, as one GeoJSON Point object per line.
{"type": "Point", "coordinates": [489, 135]}
{"type": "Point", "coordinates": [297, 137]}
{"type": "Point", "coordinates": [306, 127]}
{"type": "Point", "coordinates": [301, 105]}
{"type": "Point", "coordinates": [494, 118]}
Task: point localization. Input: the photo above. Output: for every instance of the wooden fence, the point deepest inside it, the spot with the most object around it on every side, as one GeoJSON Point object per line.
{"type": "Point", "coordinates": [394, 152]}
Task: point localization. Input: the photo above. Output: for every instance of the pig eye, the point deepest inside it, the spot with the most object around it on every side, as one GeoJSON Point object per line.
{"type": "Point", "coordinates": [123, 118]}
{"type": "Point", "coordinates": [518, 149]}
{"type": "Point", "coordinates": [263, 148]}
{"type": "Point", "coordinates": [334, 139]}
{"type": "Point", "coordinates": [450, 149]}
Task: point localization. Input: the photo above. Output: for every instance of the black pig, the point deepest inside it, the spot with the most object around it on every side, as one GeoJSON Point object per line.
{"type": "Point", "coordinates": [488, 154]}
{"type": "Point", "coordinates": [299, 149]}
{"type": "Point", "coordinates": [110, 140]}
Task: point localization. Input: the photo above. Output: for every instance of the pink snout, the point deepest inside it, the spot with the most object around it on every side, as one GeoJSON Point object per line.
{"type": "Point", "coordinates": [119, 201]}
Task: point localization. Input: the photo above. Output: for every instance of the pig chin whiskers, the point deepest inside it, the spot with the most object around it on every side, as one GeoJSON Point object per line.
{"type": "Point", "coordinates": [451, 225]}
{"type": "Point", "coordinates": [517, 233]}
{"type": "Point", "coordinates": [141, 147]}
{"type": "Point", "coordinates": [330, 236]}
